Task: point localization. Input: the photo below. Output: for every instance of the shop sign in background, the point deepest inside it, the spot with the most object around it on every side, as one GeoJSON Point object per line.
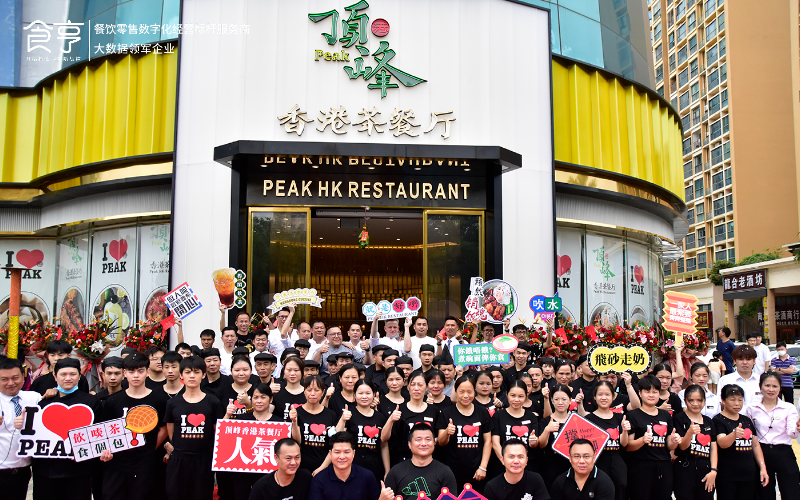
{"type": "Point", "coordinates": [38, 259]}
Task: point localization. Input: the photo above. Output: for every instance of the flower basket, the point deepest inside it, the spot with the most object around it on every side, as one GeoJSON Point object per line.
{"type": "Point", "coordinates": [89, 341]}
{"type": "Point", "coordinates": [145, 335]}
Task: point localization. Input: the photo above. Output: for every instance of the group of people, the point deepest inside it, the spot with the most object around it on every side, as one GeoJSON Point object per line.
{"type": "Point", "coordinates": [380, 416]}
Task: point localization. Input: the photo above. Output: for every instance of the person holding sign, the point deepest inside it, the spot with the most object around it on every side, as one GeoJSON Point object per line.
{"type": "Point", "coordinates": [515, 423]}
{"type": "Point", "coordinates": [650, 440]}
{"type": "Point", "coordinates": [739, 450]}
{"type": "Point", "coordinates": [616, 426]}
{"type": "Point", "coordinates": [552, 463]}
{"type": "Point", "coordinates": [623, 402]}
{"type": "Point", "coordinates": [465, 432]}
{"type": "Point", "coordinates": [64, 478]}
{"type": "Point", "coordinates": [517, 482]}
{"type": "Point", "coordinates": [696, 464]}
{"type": "Point", "coordinates": [584, 481]}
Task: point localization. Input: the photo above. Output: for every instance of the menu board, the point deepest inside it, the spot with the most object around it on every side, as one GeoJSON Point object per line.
{"type": "Point", "coordinates": [73, 278]}
{"type": "Point", "coordinates": [113, 280]}
{"type": "Point", "coordinates": [37, 258]}
{"type": "Point", "coordinates": [154, 272]}
{"type": "Point", "coordinates": [568, 273]}
{"type": "Point", "coordinates": [604, 280]}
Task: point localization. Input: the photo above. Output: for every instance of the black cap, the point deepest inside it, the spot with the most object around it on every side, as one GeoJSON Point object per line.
{"type": "Point", "coordinates": [378, 348]}
{"type": "Point", "coordinates": [311, 364]}
{"type": "Point", "coordinates": [345, 354]}
{"type": "Point", "coordinates": [241, 351]}
{"type": "Point", "coordinates": [403, 360]}
{"type": "Point", "coordinates": [210, 352]}
{"type": "Point", "coordinates": [112, 362]}
{"type": "Point", "coordinates": [128, 350]}
{"type": "Point", "coordinates": [332, 359]}
{"type": "Point", "coordinates": [390, 352]}
{"type": "Point", "coordinates": [67, 363]}
{"type": "Point", "coordinates": [524, 346]}
{"type": "Point", "coordinates": [303, 343]}
{"type": "Point", "coordinates": [547, 361]}
{"type": "Point", "coordinates": [265, 356]}
{"type": "Point", "coordinates": [426, 348]}
{"type": "Point", "coordinates": [447, 358]}
{"type": "Point", "coordinates": [582, 359]}
{"type": "Point", "coordinates": [289, 351]}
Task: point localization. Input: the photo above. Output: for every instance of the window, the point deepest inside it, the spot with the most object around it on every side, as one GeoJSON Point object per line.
{"type": "Point", "coordinates": [659, 52]}
{"type": "Point", "coordinates": [729, 203]}
{"type": "Point", "coordinates": [723, 72]}
{"type": "Point", "coordinates": [698, 164]}
{"type": "Point", "coordinates": [695, 90]}
{"type": "Point", "coordinates": [711, 6]}
{"type": "Point", "coordinates": [711, 30]}
{"type": "Point", "coordinates": [713, 104]}
{"type": "Point", "coordinates": [716, 129]}
{"type": "Point", "coordinates": [719, 206]}
{"type": "Point", "coordinates": [681, 9]}
{"type": "Point", "coordinates": [713, 79]}
{"type": "Point", "coordinates": [699, 211]}
{"type": "Point", "coordinates": [683, 77]}
{"type": "Point", "coordinates": [711, 55]}
{"type": "Point", "coordinates": [660, 73]}
{"type": "Point", "coordinates": [657, 32]}
{"type": "Point", "coordinates": [684, 99]}
{"type": "Point", "coordinates": [680, 265]}
{"type": "Point", "coordinates": [701, 260]}
{"type": "Point", "coordinates": [728, 172]}
{"type": "Point", "coordinates": [690, 216]}
{"type": "Point", "coordinates": [693, 68]}
{"type": "Point", "coordinates": [691, 264]}
{"type": "Point", "coordinates": [716, 155]}
{"type": "Point", "coordinates": [721, 255]}
{"type": "Point", "coordinates": [687, 146]}
{"type": "Point", "coordinates": [721, 22]}
{"type": "Point", "coordinates": [730, 230]}
{"type": "Point", "coordinates": [691, 22]}
{"type": "Point", "coordinates": [681, 32]}
{"type": "Point", "coordinates": [686, 122]}
{"type": "Point", "coordinates": [667, 269]}
{"type": "Point", "coordinates": [722, 44]}
{"type": "Point", "coordinates": [672, 40]}
{"type": "Point", "coordinates": [689, 193]}
{"type": "Point", "coordinates": [693, 45]}
{"type": "Point", "coordinates": [689, 4]}
{"type": "Point", "coordinates": [660, 91]}
{"type": "Point", "coordinates": [698, 188]}
{"type": "Point", "coordinates": [690, 241]}
{"type": "Point", "coordinates": [726, 151]}
{"type": "Point", "coordinates": [717, 182]}
{"type": "Point", "coordinates": [674, 102]}
{"type": "Point", "coordinates": [731, 255]}
{"type": "Point", "coordinates": [683, 54]}
{"type": "Point", "coordinates": [701, 237]}
{"type": "Point", "coordinates": [687, 170]}
{"type": "Point", "coordinates": [719, 233]}
{"type": "Point", "coordinates": [671, 62]}
{"type": "Point", "coordinates": [724, 97]}
{"type": "Point", "coordinates": [695, 114]}
{"type": "Point", "coordinates": [725, 127]}
{"type": "Point", "coordinates": [656, 10]}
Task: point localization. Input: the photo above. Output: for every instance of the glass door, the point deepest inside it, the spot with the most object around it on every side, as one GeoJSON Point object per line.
{"type": "Point", "coordinates": [452, 254]}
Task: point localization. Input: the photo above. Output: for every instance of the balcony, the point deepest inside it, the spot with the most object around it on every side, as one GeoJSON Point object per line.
{"type": "Point", "coordinates": [687, 276]}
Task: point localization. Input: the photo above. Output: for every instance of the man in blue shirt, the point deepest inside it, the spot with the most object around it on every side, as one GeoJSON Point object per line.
{"type": "Point", "coordinates": [726, 346]}
{"type": "Point", "coordinates": [342, 480]}
{"type": "Point", "coordinates": [784, 365]}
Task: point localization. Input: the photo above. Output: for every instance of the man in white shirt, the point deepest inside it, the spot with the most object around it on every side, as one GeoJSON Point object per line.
{"type": "Point", "coordinates": [318, 338]}
{"type": "Point", "coordinates": [744, 356]}
{"type": "Point", "coordinates": [15, 473]}
{"type": "Point", "coordinates": [355, 335]}
{"type": "Point", "coordinates": [392, 329]}
{"type": "Point", "coordinates": [280, 338]}
{"type": "Point", "coordinates": [762, 353]}
{"type": "Point", "coordinates": [453, 335]}
{"type": "Point", "coordinates": [226, 353]}
{"type": "Point", "coordinates": [411, 344]}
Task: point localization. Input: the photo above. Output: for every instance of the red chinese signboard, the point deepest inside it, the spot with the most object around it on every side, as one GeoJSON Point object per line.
{"type": "Point", "coordinates": [680, 312]}
{"type": "Point", "coordinates": [247, 446]}
{"type": "Point", "coordinates": [577, 427]}
{"type": "Point", "coordinates": [705, 320]}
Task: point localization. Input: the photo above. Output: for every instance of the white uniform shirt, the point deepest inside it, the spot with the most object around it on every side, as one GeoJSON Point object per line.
{"type": "Point", "coordinates": [752, 392]}
{"type": "Point", "coordinates": [277, 344]}
{"type": "Point", "coordinates": [762, 358]}
{"type": "Point", "coordinates": [9, 436]}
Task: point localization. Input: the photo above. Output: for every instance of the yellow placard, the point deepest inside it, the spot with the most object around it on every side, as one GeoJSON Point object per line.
{"type": "Point", "coordinates": [605, 358]}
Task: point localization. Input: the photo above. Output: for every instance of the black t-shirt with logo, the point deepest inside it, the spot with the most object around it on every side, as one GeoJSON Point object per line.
{"type": "Point", "coordinates": [465, 447]}
{"type": "Point", "coordinates": [194, 423]}
{"type": "Point", "coordinates": [55, 468]}
{"type": "Point", "coordinates": [367, 431]}
{"type": "Point", "coordinates": [245, 340]}
{"type": "Point", "coordinates": [228, 394]}
{"type": "Point", "coordinates": [216, 386]}
{"type": "Point", "coordinates": [250, 417]}
{"type": "Point", "coordinates": [284, 401]}
{"type": "Point", "coordinates": [613, 426]}
{"type": "Point", "coordinates": [314, 432]}
{"type": "Point", "coordinates": [407, 480]}
{"type": "Point", "coordinates": [530, 486]}
{"type": "Point", "coordinates": [267, 489]}
{"type": "Point", "coordinates": [737, 462]}
{"type": "Point", "coordinates": [588, 392]}
{"type": "Point", "coordinates": [620, 404]}
{"type": "Point", "coordinates": [488, 406]}
{"type": "Point", "coordinates": [141, 458]}
{"type": "Point", "coordinates": [674, 401]}
{"type": "Point", "coordinates": [661, 427]}
{"type": "Point", "coordinates": [537, 402]}
{"type": "Point", "coordinates": [338, 402]}
{"type": "Point", "coordinates": [700, 447]}
{"type": "Point", "coordinates": [401, 428]}
{"type": "Point", "coordinates": [507, 426]}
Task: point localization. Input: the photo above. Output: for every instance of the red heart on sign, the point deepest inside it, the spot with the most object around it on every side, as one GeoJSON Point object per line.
{"type": "Point", "coordinates": [30, 258]}
{"type": "Point", "coordinates": [196, 419]}
{"type": "Point", "coordinates": [296, 405]}
{"type": "Point", "coordinates": [60, 419]}
{"type": "Point", "coordinates": [660, 429]}
{"type": "Point", "coordinates": [519, 430]}
{"type": "Point", "coordinates": [118, 248]}
{"type": "Point", "coordinates": [471, 430]}
{"type": "Point", "coordinates": [371, 431]}
{"type": "Point", "coordinates": [617, 409]}
{"type": "Point", "coordinates": [703, 439]}
{"type": "Point", "coordinates": [638, 273]}
{"type": "Point", "coordinates": [573, 406]}
{"type": "Point", "coordinates": [564, 264]}
{"type": "Point", "coordinates": [748, 434]}
{"type": "Point", "coordinates": [318, 429]}
{"type": "Point", "coordinates": [613, 433]}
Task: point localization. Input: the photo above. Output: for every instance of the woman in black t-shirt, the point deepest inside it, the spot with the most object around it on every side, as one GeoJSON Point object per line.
{"type": "Point", "coordinates": [312, 425]}
{"type": "Point", "coordinates": [262, 406]}
{"type": "Point", "coordinates": [436, 383]}
{"type": "Point", "coordinates": [400, 421]}
{"type": "Point", "coordinates": [741, 461]}
{"type": "Point", "coordinates": [651, 438]}
{"type": "Point", "coordinates": [465, 433]}
{"type": "Point", "coordinates": [667, 400]}
{"type": "Point", "coordinates": [696, 466]}
{"type": "Point", "coordinates": [238, 393]}
{"type": "Point", "coordinates": [348, 376]}
{"type": "Point", "coordinates": [395, 380]}
{"type": "Point", "coordinates": [617, 427]}
{"type": "Point", "coordinates": [292, 394]}
{"type": "Point", "coordinates": [552, 464]}
{"type": "Point", "coordinates": [366, 424]}
{"type": "Point", "coordinates": [624, 401]}
{"type": "Point", "coordinates": [515, 422]}
{"type": "Point", "coordinates": [483, 392]}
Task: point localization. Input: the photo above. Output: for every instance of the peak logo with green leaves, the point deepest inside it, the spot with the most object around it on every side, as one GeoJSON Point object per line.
{"type": "Point", "coordinates": [354, 33]}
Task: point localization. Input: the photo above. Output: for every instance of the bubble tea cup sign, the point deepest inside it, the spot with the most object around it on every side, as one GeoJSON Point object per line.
{"type": "Point", "coordinates": [230, 286]}
{"type": "Point", "coordinates": [298, 296]}
{"type": "Point", "coordinates": [397, 308]}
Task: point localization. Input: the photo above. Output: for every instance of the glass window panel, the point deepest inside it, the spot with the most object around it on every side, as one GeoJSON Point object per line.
{"type": "Point", "coordinates": [711, 30]}
{"type": "Point", "coordinates": [672, 62]}
{"type": "Point", "coordinates": [730, 229]}
{"type": "Point", "coordinates": [721, 255]}
{"type": "Point", "coordinates": [721, 21]}
{"type": "Point", "coordinates": [716, 155]}
{"type": "Point", "coordinates": [684, 99]}
{"type": "Point", "coordinates": [716, 129]}
{"type": "Point", "coordinates": [581, 37]}
{"type": "Point", "coordinates": [719, 206]}
{"type": "Point", "coordinates": [672, 40]}
{"type": "Point", "coordinates": [729, 203]}
{"type": "Point", "coordinates": [659, 52]}
{"type": "Point", "coordinates": [701, 260]}
{"type": "Point", "coordinates": [683, 77]}
{"type": "Point", "coordinates": [724, 97]}
{"type": "Point", "coordinates": [713, 104]}
{"type": "Point", "coordinates": [722, 44]}
{"type": "Point", "coordinates": [659, 73]}
{"type": "Point", "coordinates": [693, 45]}
{"type": "Point", "coordinates": [728, 176]}
{"type": "Point", "coordinates": [680, 265]}
{"type": "Point", "coordinates": [683, 54]}
{"type": "Point", "coordinates": [723, 72]}
{"type": "Point", "coordinates": [139, 12]}
{"type": "Point", "coordinates": [690, 216]}
{"type": "Point", "coordinates": [689, 193]}
{"type": "Point", "coordinates": [711, 56]}
{"type": "Point", "coordinates": [693, 68]}
{"type": "Point", "coordinates": [732, 255]}
{"type": "Point", "coordinates": [690, 241]}
{"type": "Point", "coordinates": [713, 79]}
{"type": "Point", "coordinates": [695, 90]}
{"type": "Point", "coordinates": [698, 187]}
{"type": "Point", "coordinates": [681, 32]}
{"type": "Point", "coordinates": [687, 170]}
{"type": "Point", "coordinates": [717, 181]}
{"type": "Point", "coordinates": [691, 264]}
{"type": "Point", "coordinates": [692, 22]}
{"type": "Point", "coordinates": [589, 8]}
{"type": "Point", "coordinates": [726, 150]}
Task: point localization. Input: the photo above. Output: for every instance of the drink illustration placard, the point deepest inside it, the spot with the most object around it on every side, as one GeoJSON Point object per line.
{"type": "Point", "coordinates": [230, 286]}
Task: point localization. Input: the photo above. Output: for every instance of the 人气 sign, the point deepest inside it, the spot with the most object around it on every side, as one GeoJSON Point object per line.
{"type": "Point", "coordinates": [247, 446]}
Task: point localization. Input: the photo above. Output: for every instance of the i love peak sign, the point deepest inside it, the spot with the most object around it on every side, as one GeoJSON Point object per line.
{"type": "Point", "coordinates": [45, 431]}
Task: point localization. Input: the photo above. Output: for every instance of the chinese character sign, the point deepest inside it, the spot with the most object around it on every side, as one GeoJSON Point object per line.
{"type": "Point", "coordinates": [545, 308]}
{"type": "Point", "coordinates": [493, 301]}
{"type": "Point", "coordinates": [750, 280]}
{"type": "Point", "coordinates": [297, 295]}
{"type": "Point", "coordinates": [478, 354]}
{"type": "Point", "coordinates": [45, 431]}
{"type": "Point", "coordinates": [182, 301]}
{"type": "Point", "coordinates": [577, 427]}
{"type": "Point", "coordinates": [114, 435]}
{"type": "Point", "coordinates": [398, 308]}
{"type": "Point", "coordinates": [680, 312]}
{"type": "Point", "coordinates": [247, 446]}
{"type": "Point", "coordinates": [605, 358]}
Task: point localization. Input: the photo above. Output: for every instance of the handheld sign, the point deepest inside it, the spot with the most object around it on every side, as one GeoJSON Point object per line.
{"type": "Point", "coordinates": [545, 308]}
{"type": "Point", "coordinates": [577, 427]}
{"type": "Point", "coordinates": [297, 295]}
{"type": "Point", "coordinates": [45, 431]}
{"type": "Point", "coordinates": [247, 446]}
{"type": "Point", "coordinates": [182, 301]}
{"type": "Point", "coordinates": [680, 312]}
{"type": "Point", "coordinates": [478, 354]}
{"type": "Point", "coordinates": [398, 308]}
{"type": "Point", "coordinates": [114, 435]}
{"type": "Point", "coordinates": [493, 301]}
{"type": "Point", "coordinates": [606, 358]}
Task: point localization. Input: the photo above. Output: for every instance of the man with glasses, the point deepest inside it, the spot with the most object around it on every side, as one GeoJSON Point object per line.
{"type": "Point", "coordinates": [335, 346]}
{"type": "Point", "coordinates": [281, 338]}
{"type": "Point", "coordinates": [584, 480]}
